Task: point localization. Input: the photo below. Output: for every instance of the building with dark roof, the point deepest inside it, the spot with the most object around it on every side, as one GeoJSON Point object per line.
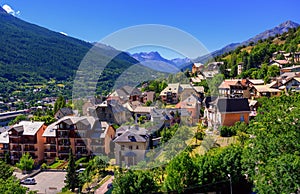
{"type": "Point", "coordinates": [226, 112]}
{"type": "Point", "coordinates": [63, 112]}
{"type": "Point", "coordinates": [111, 111]}
{"type": "Point", "coordinates": [131, 144]}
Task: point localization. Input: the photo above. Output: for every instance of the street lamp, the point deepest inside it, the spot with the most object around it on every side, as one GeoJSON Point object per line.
{"type": "Point", "coordinates": [230, 183]}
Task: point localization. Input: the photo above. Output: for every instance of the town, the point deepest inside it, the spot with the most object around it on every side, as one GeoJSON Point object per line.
{"type": "Point", "coordinates": [136, 97]}
{"type": "Point", "coordinates": [128, 123]}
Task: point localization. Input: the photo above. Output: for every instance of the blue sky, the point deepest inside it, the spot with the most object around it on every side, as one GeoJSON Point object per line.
{"type": "Point", "coordinates": [215, 23]}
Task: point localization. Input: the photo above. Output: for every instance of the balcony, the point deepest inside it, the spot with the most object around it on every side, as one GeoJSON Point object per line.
{"type": "Point", "coordinates": [30, 149]}
{"type": "Point", "coordinates": [50, 150]}
{"type": "Point", "coordinates": [80, 144]}
{"type": "Point", "coordinates": [50, 142]}
{"type": "Point", "coordinates": [63, 151]}
{"type": "Point", "coordinates": [4, 148]}
{"type": "Point", "coordinates": [16, 157]}
{"type": "Point", "coordinates": [82, 152]}
{"type": "Point", "coordinates": [16, 149]}
{"type": "Point", "coordinates": [49, 159]}
{"type": "Point", "coordinates": [97, 143]}
{"type": "Point", "coordinates": [64, 143]}
{"type": "Point", "coordinates": [14, 136]}
{"type": "Point", "coordinates": [63, 136]}
{"type": "Point", "coordinates": [29, 142]}
{"type": "Point", "coordinates": [13, 141]}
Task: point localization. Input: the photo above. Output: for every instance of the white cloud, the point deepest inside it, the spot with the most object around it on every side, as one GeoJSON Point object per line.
{"type": "Point", "coordinates": [63, 33]}
{"type": "Point", "coordinates": [9, 10]}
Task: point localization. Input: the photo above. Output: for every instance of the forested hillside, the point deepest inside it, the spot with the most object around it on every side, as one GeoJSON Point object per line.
{"type": "Point", "coordinates": [255, 57]}
{"type": "Point", "coordinates": [33, 57]}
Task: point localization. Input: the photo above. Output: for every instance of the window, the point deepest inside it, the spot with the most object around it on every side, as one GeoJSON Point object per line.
{"type": "Point", "coordinates": [122, 147]}
{"type": "Point", "coordinates": [242, 119]}
{"type": "Point", "coordinates": [137, 147]}
{"type": "Point", "coordinates": [130, 147]}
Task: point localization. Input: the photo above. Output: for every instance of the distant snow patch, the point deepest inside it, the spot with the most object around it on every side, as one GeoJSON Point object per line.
{"type": "Point", "coordinates": [63, 33]}
{"type": "Point", "coordinates": [9, 10]}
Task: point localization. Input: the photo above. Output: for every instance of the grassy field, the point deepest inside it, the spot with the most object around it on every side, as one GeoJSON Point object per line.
{"type": "Point", "coordinates": [57, 164]}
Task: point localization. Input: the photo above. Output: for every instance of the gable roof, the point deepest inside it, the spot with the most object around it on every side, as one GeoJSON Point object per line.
{"type": "Point", "coordinates": [129, 136]}
{"type": "Point", "coordinates": [190, 102]}
{"type": "Point", "coordinates": [265, 88]}
{"type": "Point", "coordinates": [4, 137]}
{"type": "Point", "coordinates": [230, 105]}
{"type": "Point", "coordinates": [66, 111]}
{"type": "Point", "coordinates": [125, 92]}
{"type": "Point", "coordinates": [227, 83]}
{"type": "Point", "coordinates": [198, 65]}
{"type": "Point", "coordinates": [90, 121]}
{"type": "Point", "coordinates": [174, 88]}
{"type": "Point", "coordinates": [143, 109]}
{"type": "Point", "coordinates": [135, 129]}
{"type": "Point", "coordinates": [28, 127]}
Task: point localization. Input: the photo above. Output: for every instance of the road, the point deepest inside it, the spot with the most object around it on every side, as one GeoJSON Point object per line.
{"type": "Point", "coordinates": [48, 182]}
{"type": "Point", "coordinates": [103, 188]}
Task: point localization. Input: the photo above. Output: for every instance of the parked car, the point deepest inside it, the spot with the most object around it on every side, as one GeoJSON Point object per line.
{"type": "Point", "coordinates": [80, 170]}
{"type": "Point", "coordinates": [109, 186]}
{"type": "Point", "coordinates": [28, 181]}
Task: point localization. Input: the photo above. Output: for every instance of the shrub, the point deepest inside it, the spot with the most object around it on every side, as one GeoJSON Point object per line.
{"type": "Point", "coordinates": [227, 131]}
{"type": "Point", "coordinates": [44, 166]}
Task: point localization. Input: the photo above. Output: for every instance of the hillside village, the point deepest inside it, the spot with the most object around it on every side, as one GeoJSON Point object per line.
{"type": "Point", "coordinates": [230, 120]}
{"type": "Point", "coordinates": [116, 126]}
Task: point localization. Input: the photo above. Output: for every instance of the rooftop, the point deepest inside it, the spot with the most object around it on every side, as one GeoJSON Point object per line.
{"type": "Point", "coordinates": [28, 127]}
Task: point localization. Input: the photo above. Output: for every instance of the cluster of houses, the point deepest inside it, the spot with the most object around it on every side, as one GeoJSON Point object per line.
{"type": "Point", "coordinates": [105, 127]}
{"type": "Point", "coordinates": [97, 132]}
{"type": "Point", "coordinates": [9, 111]}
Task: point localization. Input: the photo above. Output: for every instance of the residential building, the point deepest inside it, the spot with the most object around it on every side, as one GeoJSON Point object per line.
{"type": "Point", "coordinates": [227, 111]}
{"type": "Point", "coordinates": [101, 141]}
{"type": "Point", "coordinates": [63, 112]}
{"type": "Point", "coordinates": [186, 90]}
{"type": "Point", "coordinates": [125, 94]}
{"type": "Point", "coordinates": [71, 132]}
{"type": "Point", "coordinates": [258, 91]}
{"type": "Point", "coordinates": [148, 96]}
{"type": "Point", "coordinates": [193, 106]}
{"type": "Point", "coordinates": [111, 111]}
{"type": "Point", "coordinates": [288, 83]}
{"type": "Point", "coordinates": [238, 87]}
{"type": "Point", "coordinates": [279, 63]}
{"type": "Point", "coordinates": [294, 68]}
{"type": "Point", "coordinates": [197, 68]}
{"type": "Point", "coordinates": [170, 94]}
{"type": "Point", "coordinates": [131, 144]}
{"type": "Point", "coordinates": [240, 68]}
{"type": "Point", "coordinates": [168, 117]}
{"type": "Point", "coordinates": [24, 137]}
{"type": "Point", "coordinates": [4, 143]}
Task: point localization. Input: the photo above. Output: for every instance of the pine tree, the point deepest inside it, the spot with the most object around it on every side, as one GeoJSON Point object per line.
{"type": "Point", "coordinates": [72, 178]}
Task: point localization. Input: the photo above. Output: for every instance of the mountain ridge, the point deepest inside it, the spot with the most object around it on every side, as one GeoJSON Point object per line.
{"type": "Point", "coordinates": [279, 29]}
{"type": "Point", "coordinates": [34, 54]}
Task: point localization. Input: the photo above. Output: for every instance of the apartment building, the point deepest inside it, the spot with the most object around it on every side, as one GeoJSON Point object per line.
{"type": "Point", "coordinates": [26, 137]}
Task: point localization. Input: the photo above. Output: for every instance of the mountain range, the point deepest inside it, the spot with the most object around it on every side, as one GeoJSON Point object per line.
{"type": "Point", "coordinates": [155, 61]}
{"type": "Point", "coordinates": [30, 53]}
{"type": "Point", "coordinates": [148, 59]}
{"type": "Point", "coordinates": [277, 30]}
